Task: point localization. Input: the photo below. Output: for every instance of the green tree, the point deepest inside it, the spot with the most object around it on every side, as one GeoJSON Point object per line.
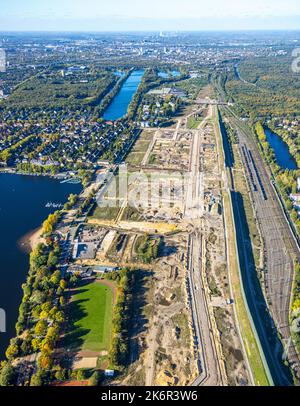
{"type": "Point", "coordinates": [37, 379]}
{"type": "Point", "coordinates": [81, 376]}
{"type": "Point", "coordinates": [7, 374]}
{"type": "Point", "coordinates": [41, 328]}
{"type": "Point", "coordinates": [94, 379]}
{"type": "Point", "coordinates": [12, 351]}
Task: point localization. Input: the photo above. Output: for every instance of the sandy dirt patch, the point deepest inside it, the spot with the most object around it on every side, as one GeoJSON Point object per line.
{"type": "Point", "coordinates": [106, 243]}
{"type": "Point", "coordinates": [144, 227]}
{"type": "Point", "coordinates": [30, 240]}
{"type": "Point", "coordinates": [85, 363]}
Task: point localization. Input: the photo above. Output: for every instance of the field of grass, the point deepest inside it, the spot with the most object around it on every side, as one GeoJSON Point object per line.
{"type": "Point", "coordinates": [193, 86]}
{"type": "Point", "coordinates": [193, 123]}
{"type": "Point", "coordinates": [105, 213]}
{"type": "Point", "coordinates": [142, 145]}
{"type": "Point", "coordinates": [131, 214]}
{"type": "Point", "coordinates": [91, 318]}
{"type": "Point", "coordinates": [135, 158]}
{"type": "Point", "coordinates": [139, 149]}
{"type": "Point", "coordinates": [257, 367]}
{"type": "Point", "coordinates": [146, 135]}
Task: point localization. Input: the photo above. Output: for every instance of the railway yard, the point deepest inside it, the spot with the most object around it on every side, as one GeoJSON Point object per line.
{"type": "Point", "coordinates": [280, 250]}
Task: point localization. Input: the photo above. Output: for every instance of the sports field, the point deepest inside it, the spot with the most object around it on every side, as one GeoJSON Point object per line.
{"type": "Point", "coordinates": [91, 318]}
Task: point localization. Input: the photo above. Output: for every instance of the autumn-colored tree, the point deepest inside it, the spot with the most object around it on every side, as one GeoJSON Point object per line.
{"type": "Point", "coordinates": [12, 351]}
{"type": "Point", "coordinates": [45, 361]}
{"type": "Point", "coordinates": [36, 344]}
{"type": "Point", "coordinates": [40, 328]}
{"type": "Point", "coordinates": [63, 284]}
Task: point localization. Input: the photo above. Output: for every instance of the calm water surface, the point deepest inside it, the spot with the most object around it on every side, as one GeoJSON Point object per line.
{"type": "Point", "coordinates": [166, 75]}
{"type": "Point", "coordinates": [283, 157]}
{"type": "Point", "coordinates": [23, 201]}
{"type": "Point", "coordinates": [119, 106]}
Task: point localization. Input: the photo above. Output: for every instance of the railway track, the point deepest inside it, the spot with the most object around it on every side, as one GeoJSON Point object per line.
{"type": "Point", "coordinates": [281, 249]}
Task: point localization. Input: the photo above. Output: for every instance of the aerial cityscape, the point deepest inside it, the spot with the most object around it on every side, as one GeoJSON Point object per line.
{"type": "Point", "coordinates": [150, 196]}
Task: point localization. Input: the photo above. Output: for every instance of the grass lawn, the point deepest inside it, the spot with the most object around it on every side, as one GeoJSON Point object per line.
{"type": "Point", "coordinates": [139, 150]}
{"type": "Point", "coordinates": [131, 214]}
{"type": "Point", "coordinates": [105, 213]}
{"type": "Point", "coordinates": [251, 347]}
{"type": "Point", "coordinates": [194, 123]}
{"type": "Point", "coordinates": [146, 135]}
{"type": "Point", "coordinates": [91, 318]}
{"type": "Point", "coordinates": [142, 145]}
{"type": "Point", "coordinates": [135, 158]}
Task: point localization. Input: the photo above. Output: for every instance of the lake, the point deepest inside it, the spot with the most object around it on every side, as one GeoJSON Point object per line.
{"type": "Point", "coordinates": [22, 209]}
{"type": "Point", "coordinates": [119, 106]}
{"type": "Point", "coordinates": [166, 75]}
{"type": "Point", "coordinates": [282, 154]}
{"type": "Point", "coordinates": [119, 73]}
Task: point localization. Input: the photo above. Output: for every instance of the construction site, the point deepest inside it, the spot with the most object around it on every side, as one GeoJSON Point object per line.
{"type": "Point", "coordinates": [162, 214]}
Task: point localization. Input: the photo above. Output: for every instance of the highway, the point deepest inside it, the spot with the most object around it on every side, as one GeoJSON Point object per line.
{"type": "Point", "coordinates": [280, 251]}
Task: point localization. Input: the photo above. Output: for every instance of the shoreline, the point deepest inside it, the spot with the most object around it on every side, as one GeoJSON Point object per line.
{"type": "Point", "coordinates": [12, 171]}
{"type": "Point", "coordinates": [29, 241]}
{"type": "Point", "coordinates": [58, 176]}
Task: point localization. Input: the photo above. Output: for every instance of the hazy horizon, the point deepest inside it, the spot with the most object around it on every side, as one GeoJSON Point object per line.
{"type": "Point", "coordinates": [133, 15]}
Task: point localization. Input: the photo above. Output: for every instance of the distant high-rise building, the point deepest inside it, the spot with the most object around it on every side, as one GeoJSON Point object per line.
{"type": "Point", "coordinates": [298, 184]}
{"type": "Point", "coordinates": [2, 60]}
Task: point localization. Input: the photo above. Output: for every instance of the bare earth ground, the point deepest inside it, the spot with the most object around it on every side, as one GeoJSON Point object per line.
{"type": "Point", "coordinates": [164, 351]}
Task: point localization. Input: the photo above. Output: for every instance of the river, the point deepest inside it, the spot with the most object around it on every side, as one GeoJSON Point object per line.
{"type": "Point", "coordinates": [282, 154]}
{"type": "Point", "coordinates": [22, 209]}
{"type": "Point", "coordinates": [119, 106]}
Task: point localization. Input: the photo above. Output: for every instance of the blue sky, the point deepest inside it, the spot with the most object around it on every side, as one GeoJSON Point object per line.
{"type": "Point", "coordinates": [103, 15]}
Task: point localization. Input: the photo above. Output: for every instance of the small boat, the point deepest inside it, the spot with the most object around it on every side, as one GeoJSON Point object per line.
{"type": "Point", "coordinates": [73, 181]}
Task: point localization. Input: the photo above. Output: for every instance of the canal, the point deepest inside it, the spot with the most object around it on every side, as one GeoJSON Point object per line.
{"type": "Point", "coordinates": [119, 106]}
{"type": "Point", "coordinates": [24, 205]}
{"type": "Point", "coordinates": [281, 150]}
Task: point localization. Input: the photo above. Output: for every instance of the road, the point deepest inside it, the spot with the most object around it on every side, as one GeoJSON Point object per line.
{"type": "Point", "coordinates": [210, 371]}
{"type": "Point", "coordinates": [208, 361]}
{"type": "Point", "coordinates": [280, 246]}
